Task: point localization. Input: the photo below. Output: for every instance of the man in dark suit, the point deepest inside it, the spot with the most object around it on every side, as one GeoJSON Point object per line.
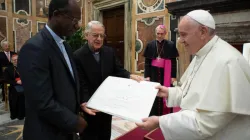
{"type": "Point", "coordinates": [165, 51]}
{"type": "Point", "coordinates": [95, 63]}
{"type": "Point", "coordinates": [50, 78]}
{"type": "Point", "coordinates": [5, 61]}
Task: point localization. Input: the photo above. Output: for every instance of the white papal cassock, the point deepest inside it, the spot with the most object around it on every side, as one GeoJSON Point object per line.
{"type": "Point", "coordinates": [214, 97]}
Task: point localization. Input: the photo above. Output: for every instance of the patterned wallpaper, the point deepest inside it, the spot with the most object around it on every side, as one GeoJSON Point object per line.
{"type": "Point", "coordinates": [22, 22]}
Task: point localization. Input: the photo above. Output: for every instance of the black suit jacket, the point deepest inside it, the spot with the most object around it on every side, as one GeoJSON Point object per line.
{"type": "Point", "coordinates": [88, 69]}
{"type": "Point", "coordinates": [51, 93]}
{"type": "Point", "coordinates": [4, 62]}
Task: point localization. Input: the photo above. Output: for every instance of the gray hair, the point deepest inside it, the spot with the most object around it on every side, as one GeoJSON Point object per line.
{"type": "Point", "coordinates": [90, 24]}
{"type": "Point", "coordinates": [4, 43]}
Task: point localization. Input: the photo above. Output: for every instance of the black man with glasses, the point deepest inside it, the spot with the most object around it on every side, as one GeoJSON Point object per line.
{"type": "Point", "coordinates": [49, 77]}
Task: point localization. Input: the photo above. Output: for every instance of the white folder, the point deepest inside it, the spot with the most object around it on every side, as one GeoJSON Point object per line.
{"type": "Point", "coordinates": [124, 98]}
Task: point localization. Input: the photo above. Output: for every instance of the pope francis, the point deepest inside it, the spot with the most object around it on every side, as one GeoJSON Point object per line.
{"type": "Point", "coordinates": [214, 91]}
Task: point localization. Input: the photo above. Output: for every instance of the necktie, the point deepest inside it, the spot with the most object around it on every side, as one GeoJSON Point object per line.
{"type": "Point", "coordinates": [8, 55]}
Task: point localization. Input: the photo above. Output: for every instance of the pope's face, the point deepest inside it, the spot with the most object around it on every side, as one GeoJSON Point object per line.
{"type": "Point", "coordinates": [190, 35]}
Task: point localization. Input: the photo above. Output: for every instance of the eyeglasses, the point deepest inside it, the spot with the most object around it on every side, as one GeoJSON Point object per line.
{"type": "Point", "coordinates": [102, 36]}
{"type": "Point", "coordinates": [74, 20]}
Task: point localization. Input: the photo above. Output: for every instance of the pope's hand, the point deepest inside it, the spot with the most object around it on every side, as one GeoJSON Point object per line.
{"type": "Point", "coordinates": [163, 91]}
{"type": "Point", "coordinates": [150, 123]}
{"type": "Point", "coordinates": [88, 110]}
{"type": "Point", "coordinates": [137, 77]}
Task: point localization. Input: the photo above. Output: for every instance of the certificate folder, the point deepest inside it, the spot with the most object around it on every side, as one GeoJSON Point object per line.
{"type": "Point", "coordinates": [124, 98]}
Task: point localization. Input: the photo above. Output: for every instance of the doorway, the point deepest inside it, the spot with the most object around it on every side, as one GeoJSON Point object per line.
{"type": "Point", "coordinates": [113, 20]}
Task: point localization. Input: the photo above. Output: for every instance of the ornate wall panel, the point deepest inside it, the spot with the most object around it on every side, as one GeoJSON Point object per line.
{"type": "Point", "coordinates": [42, 8]}
{"type": "Point", "coordinates": [3, 5]}
{"type": "Point", "coordinates": [80, 3]}
{"type": "Point", "coordinates": [148, 6]}
{"type": "Point", "coordinates": [145, 33]}
{"type": "Point", "coordinates": [22, 32]}
{"type": "Point", "coordinates": [3, 28]}
{"type": "Point", "coordinates": [40, 25]}
{"type": "Point", "coordinates": [22, 7]}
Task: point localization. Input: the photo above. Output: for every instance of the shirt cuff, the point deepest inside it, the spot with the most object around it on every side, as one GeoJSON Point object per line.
{"type": "Point", "coordinates": [172, 97]}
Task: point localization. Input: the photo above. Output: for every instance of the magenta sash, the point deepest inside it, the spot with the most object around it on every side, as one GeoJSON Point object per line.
{"type": "Point", "coordinates": [166, 65]}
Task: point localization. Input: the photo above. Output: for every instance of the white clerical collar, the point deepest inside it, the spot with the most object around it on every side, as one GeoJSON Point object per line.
{"type": "Point", "coordinates": [204, 50]}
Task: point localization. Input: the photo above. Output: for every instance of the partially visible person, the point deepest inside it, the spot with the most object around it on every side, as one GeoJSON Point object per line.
{"type": "Point", "coordinates": [95, 63]}
{"type": "Point", "coordinates": [214, 93]}
{"type": "Point", "coordinates": [5, 61]}
{"type": "Point", "coordinates": [50, 78]}
{"type": "Point", "coordinates": [160, 66]}
{"type": "Point", "coordinates": [16, 93]}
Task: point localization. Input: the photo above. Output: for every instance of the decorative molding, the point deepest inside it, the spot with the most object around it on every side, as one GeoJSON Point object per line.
{"type": "Point", "coordinates": [146, 20]}
{"type": "Point", "coordinates": [141, 45]}
{"type": "Point", "coordinates": [151, 6]}
{"type": "Point", "coordinates": [37, 25]}
{"type": "Point", "coordinates": [22, 11]}
{"type": "Point", "coordinates": [137, 54]}
{"type": "Point", "coordinates": [6, 28]}
{"type": "Point", "coordinates": [107, 4]}
{"type": "Point", "coordinates": [28, 13]}
{"type": "Point", "coordinates": [29, 23]}
{"type": "Point", "coordinates": [47, 2]}
{"type": "Point", "coordinates": [6, 7]}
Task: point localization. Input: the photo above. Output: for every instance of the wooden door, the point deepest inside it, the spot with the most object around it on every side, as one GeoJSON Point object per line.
{"type": "Point", "coordinates": [113, 21]}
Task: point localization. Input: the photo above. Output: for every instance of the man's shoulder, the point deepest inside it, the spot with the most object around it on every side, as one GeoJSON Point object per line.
{"type": "Point", "coordinates": [230, 53]}
{"type": "Point", "coordinates": [82, 50]}
{"type": "Point", "coordinates": [107, 48]}
{"type": "Point", "coordinates": [169, 42]}
{"type": "Point", "coordinates": [151, 43]}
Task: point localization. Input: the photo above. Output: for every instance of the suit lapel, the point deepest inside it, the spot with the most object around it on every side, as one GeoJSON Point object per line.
{"type": "Point", "coordinates": [70, 55]}
{"type": "Point", "coordinates": [52, 42]}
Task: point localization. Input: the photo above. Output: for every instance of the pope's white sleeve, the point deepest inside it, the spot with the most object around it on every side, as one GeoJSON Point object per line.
{"type": "Point", "coordinates": [174, 96]}
{"type": "Point", "coordinates": [192, 125]}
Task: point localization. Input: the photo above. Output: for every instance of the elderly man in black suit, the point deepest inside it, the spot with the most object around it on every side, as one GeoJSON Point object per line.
{"type": "Point", "coordinates": [95, 63]}
{"type": "Point", "coordinates": [50, 78]}
{"type": "Point", "coordinates": [5, 61]}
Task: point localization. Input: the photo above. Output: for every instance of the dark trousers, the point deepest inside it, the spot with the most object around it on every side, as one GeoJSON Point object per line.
{"type": "Point", "coordinates": [16, 104]}
{"type": "Point", "coordinates": [99, 127]}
